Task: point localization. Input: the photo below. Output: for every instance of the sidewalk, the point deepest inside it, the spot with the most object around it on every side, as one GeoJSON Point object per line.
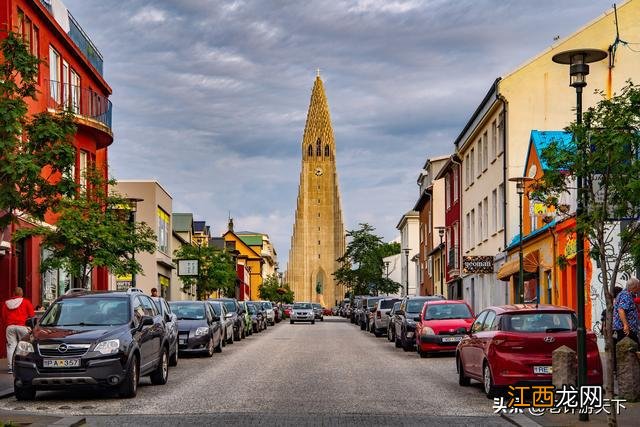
{"type": "Point", "coordinates": [6, 380]}
{"type": "Point", "coordinates": [626, 417]}
{"type": "Point", "coordinates": [19, 418]}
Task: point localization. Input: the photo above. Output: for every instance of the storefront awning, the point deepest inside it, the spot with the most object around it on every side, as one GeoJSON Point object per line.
{"type": "Point", "coordinates": [530, 264]}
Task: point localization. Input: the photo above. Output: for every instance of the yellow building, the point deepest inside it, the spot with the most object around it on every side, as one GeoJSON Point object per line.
{"type": "Point", "coordinates": [251, 260]}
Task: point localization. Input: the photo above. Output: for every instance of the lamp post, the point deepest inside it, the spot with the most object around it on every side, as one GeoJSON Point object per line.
{"type": "Point", "coordinates": [520, 182]}
{"type": "Point", "coordinates": [441, 229]}
{"type": "Point", "coordinates": [578, 61]}
{"type": "Point", "coordinates": [406, 256]}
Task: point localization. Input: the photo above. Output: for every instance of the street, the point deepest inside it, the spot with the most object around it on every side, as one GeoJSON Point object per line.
{"type": "Point", "coordinates": [328, 373]}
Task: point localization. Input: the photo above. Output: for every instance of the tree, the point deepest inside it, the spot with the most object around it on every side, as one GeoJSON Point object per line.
{"type": "Point", "coordinates": [362, 263]}
{"type": "Point", "coordinates": [272, 290]}
{"type": "Point", "coordinates": [92, 231]}
{"type": "Point", "coordinates": [36, 153]}
{"type": "Point", "coordinates": [607, 156]}
{"type": "Point", "coordinates": [216, 270]}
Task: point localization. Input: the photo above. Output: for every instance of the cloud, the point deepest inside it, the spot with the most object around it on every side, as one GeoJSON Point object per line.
{"type": "Point", "coordinates": [210, 98]}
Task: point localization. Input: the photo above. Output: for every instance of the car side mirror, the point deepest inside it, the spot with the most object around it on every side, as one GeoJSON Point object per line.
{"type": "Point", "coordinates": [167, 317]}
{"type": "Point", "coordinates": [228, 315]}
{"type": "Point", "coordinates": [399, 312]}
{"type": "Point", "coordinates": [416, 319]}
{"type": "Point", "coordinates": [215, 318]}
{"type": "Point", "coordinates": [146, 321]}
{"type": "Point", "coordinates": [31, 322]}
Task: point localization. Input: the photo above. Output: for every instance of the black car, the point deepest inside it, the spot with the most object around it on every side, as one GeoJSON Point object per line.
{"type": "Point", "coordinates": [106, 339]}
{"type": "Point", "coordinates": [236, 316]}
{"type": "Point", "coordinates": [262, 310]}
{"type": "Point", "coordinates": [171, 323]}
{"type": "Point", "coordinates": [199, 329]}
{"type": "Point", "coordinates": [257, 318]}
{"type": "Point", "coordinates": [403, 319]}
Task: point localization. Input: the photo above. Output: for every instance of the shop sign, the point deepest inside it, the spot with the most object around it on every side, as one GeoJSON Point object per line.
{"type": "Point", "coordinates": [477, 264]}
{"type": "Point", "coordinates": [124, 282]}
{"type": "Point", "coordinates": [188, 267]}
{"type": "Point", "coordinates": [571, 249]}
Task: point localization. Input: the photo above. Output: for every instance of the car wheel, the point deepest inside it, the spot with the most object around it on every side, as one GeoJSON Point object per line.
{"type": "Point", "coordinates": [406, 345]}
{"type": "Point", "coordinates": [389, 334]}
{"type": "Point", "coordinates": [463, 379]}
{"type": "Point", "coordinates": [238, 336]}
{"type": "Point", "coordinates": [487, 381]}
{"type": "Point", "coordinates": [218, 348]}
{"type": "Point", "coordinates": [224, 339]}
{"type": "Point", "coordinates": [161, 374]}
{"type": "Point", "coordinates": [230, 338]}
{"type": "Point", "coordinates": [363, 326]}
{"type": "Point", "coordinates": [24, 393]}
{"type": "Point", "coordinates": [129, 387]}
{"type": "Point", "coordinates": [173, 360]}
{"type": "Point", "coordinates": [313, 322]}
{"type": "Point", "coordinates": [397, 341]}
{"type": "Point", "coordinates": [322, 319]}
{"type": "Point", "coordinates": [209, 351]}
{"type": "Point", "coordinates": [377, 332]}
{"type": "Point", "coordinates": [291, 322]}
{"type": "Point", "coordinates": [422, 354]}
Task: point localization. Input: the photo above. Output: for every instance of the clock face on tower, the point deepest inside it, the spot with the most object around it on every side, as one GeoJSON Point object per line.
{"type": "Point", "coordinates": [318, 171]}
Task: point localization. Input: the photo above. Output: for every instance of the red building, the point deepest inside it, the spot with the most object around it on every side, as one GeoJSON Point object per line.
{"type": "Point", "coordinates": [70, 76]}
{"type": "Point", "coordinates": [453, 235]}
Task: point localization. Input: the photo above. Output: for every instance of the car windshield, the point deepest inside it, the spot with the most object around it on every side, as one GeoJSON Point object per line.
{"type": "Point", "coordinates": [539, 322]}
{"type": "Point", "coordinates": [88, 311]}
{"type": "Point", "coordinates": [415, 305]}
{"type": "Point", "coordinates": [231, 306]}
{"type": "Point", "coordinates": [301, 306]}
{"type": "Point", "coordinates": [268, 305]}
{"type": "Point", "coordinates": [317, 306]}
{"type": "Point", "coordinates": [447, 311]}
{"type": "Point", "coordinates": [372, 301]}
{"type": "Point", "coordinates": [188, 310]}
{"type": "Point", "coordinates": [387, 303]}
{"type": "Point", "coordinates": [252, 309]}
{"type": "Point", "coordinates": [216, 308]}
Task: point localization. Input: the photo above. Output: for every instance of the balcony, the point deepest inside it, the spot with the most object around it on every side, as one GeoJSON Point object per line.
{"type": "Point", "coordinates": [80, 39]}
{"type": "Point", "coordinates": [90, 108]}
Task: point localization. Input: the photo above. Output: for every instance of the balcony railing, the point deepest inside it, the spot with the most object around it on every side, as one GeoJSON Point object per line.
{"type": "Point", "coordinates": [453, 258]}
{"type": "Point", "coordinates": [80, 101]}
{"type": "Point", "coordinates": [81, 39]}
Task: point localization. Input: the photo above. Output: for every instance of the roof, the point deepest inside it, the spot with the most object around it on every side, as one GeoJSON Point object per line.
{"type": "Point", "coordinates": [248, 232]}
{"type": "Point", "coordinates": [453, 159]}
{"type": "Point", "coordinates": [543, 139]}
{"type": "Point", "coordinates": [182, 221]}
{"type": "Point", "coordinates": [199, 226]}
{"type": "Point", "coordinates": [516, 239]}
{"type": "Point", "coordinates": [424, 197]}
{"type": "Point", "coordinates": [473, 121]}
{"type": "Point", "coordinates": [251, 240]}
{"type": "Point", "coordinates": [411, 214]}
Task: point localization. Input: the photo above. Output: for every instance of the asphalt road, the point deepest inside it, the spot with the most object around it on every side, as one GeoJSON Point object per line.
{"type": "Point", "coordinates": [330, 373]}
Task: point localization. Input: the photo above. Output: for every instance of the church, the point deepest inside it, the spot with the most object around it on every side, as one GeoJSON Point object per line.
{"type": "Point", "coordinates": [318, 238]}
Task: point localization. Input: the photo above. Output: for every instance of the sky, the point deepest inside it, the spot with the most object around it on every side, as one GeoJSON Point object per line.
{"type": "Point", "coordinates": [210, 97]}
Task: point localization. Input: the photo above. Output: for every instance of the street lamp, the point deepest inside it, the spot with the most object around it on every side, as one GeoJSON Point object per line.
{"type": "Point", "coordinates": [406, 255]}
{"type": "Point", "coordinates": [520, 182]}
{"type": "Point", "coordinates": [578, 61]}
{"type": "Point", "coordinates": [441, 229]}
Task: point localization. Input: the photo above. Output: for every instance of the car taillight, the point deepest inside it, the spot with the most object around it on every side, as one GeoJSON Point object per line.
{"type": "Point", "coordinates": [508, 342]}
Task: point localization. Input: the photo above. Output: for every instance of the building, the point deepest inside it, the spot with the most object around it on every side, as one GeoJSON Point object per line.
{"type": "Point", "coordinates": [431, 213]}
{"type": "Point", "coordinates": [70, 76]}
{"type": "Point", "coordinates": [249, 264]}
{"type": "Point", "coordinates": [181, 234]}
{"type": "Point", "coordinates": [409, 227]}
{"type": "Point", "coordinates": [154, 207]}
{"type": "Point", "coordinates": [261, 243]}
{"type": "Point", "coordinates": [201, 233]}
{"type": "Point", "coordinates": [318, 238]}
{"type": "Point", "coordinates": [393, 269]}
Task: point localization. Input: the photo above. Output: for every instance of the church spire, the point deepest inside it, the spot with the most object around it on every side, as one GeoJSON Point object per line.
{"type": "Point", "coordinates": [318, 125]}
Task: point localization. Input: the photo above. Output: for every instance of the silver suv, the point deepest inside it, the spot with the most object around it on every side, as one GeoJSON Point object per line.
{"type": "Point", "coordinates": [381, 316]}
{"type": "Point", "coordinates": [302, 312]}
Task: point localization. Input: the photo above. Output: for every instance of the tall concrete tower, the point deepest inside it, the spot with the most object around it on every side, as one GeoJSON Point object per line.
{"type": "Point", "coordinates": [318, 232]}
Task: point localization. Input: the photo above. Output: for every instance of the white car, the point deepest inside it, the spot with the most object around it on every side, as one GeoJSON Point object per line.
{"type": "Point", "coordinates": [302, 312]}
{"type": "Point", "coordinates": [271, 315]}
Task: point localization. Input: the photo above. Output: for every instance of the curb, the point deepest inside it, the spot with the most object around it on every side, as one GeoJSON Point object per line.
{"type": "Point", "coordinates": [70, 422]}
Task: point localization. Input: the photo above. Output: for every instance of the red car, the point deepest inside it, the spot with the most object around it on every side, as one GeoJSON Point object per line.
{"type": "Point", "coordinates": [512, 344]}
{"type": "Point", "coordinates": [442, 325]}
{"type": "Point", "coordinates": [287, 310]}
{"type": "Point", "coordinates": [326, 311]}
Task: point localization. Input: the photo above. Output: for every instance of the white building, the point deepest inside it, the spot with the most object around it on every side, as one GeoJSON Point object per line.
{"type": "Point", "coordinates": [409, 227]}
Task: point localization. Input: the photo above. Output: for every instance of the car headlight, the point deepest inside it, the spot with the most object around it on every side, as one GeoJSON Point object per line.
{"type": "Point", "coordinates": [24, 348]}
{"type": "Point", "coordinates": [427, 331]}
{"type": "Point", "coordinates": [202, 331]}
{"type": "Point", "coordinates": [107, 347]}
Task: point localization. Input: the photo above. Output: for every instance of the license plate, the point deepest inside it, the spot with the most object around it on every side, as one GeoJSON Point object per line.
{"type": "Point", "coordinates": [182, 342]}
{"type": "Point", "coordinates": [451, 339]}
{"type": "Point", "coordinates": [542, 369]}
{"type": "Point", "coordinates": [61, 363]}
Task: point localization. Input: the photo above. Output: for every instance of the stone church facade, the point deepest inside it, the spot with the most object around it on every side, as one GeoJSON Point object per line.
{"type": "Point", "coordinates": [318, 232]}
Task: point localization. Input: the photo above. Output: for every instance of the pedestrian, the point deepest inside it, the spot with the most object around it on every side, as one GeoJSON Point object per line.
{"type": "Point", "coordinates": [603, 316]}
{"type": "Point", "coordinates": [154, 292]}
{"type": "Point", "coordinates": [15, 312]}
{"type": "Point", "coordinates": [625, 312]}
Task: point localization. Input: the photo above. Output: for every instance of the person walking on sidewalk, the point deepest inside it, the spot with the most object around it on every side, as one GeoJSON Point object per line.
{"type": "Point", "coordinates": [625, 313]}
{"type": "Point", "coordinates": [15, 312]}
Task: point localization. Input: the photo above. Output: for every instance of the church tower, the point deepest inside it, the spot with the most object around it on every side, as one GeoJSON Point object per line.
{"type": "Point", "coordinates": [318, 232]}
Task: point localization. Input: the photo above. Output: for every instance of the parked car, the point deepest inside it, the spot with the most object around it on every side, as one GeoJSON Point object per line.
{"type": "Point", "coordinates": [271, 316]}
{"type": "Point", "coordinates": [318, 311]}
{"type": "Point", "coordinates": [302, 312]}
{"type": "Point", "coordinates": [404, 319]}
{"type": "Point", "coordinates": [277, 312]}
{"type": "Point", "coordinates": [199, 328]}
{"type": "Point", "coordinates": [441, 326]}
{"type": "Point", "coordinates": [257, 317]}
{"type": "Point", "coordinates": [106, 339]}
{"type": "Point", "coordinates": [232, 306]}
{"type": "Point", "coordinates": [244, 312]}
{"type": "Point", "coordinates": [171, 322]}
{"type": "Point", "coordinates": [226, 318]}
{"type": "Point", "coordinates": [391, 330]}
{"type": "Point", "coordinates": [356, 309]}
{"type": "Point", "coordinates": [513, 343]}
{"type": "Point", "coordinates": [366, 316]}
{"type": "Point", "coordinates": [287, 310]}
{"type": "Point", "coordinates": [263, 310]}
{"type": "Point", "coordinates": [380, 321]}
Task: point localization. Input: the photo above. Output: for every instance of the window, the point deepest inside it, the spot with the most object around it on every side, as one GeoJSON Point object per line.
{"type": "Point", "coordinates": [478, 324]}
{"type": "Point", "coordinates": [467, 179]}
{"type": "Point", "coordinates": [428, 223]}
{"type": "Point", "coordinates": [163, 231]}
{"type": "Point", "coordinates": [327, 153]}
{"type": "Point", "coordinates": [148, 306]}
{"type": "Point", "coordinates": [54, 74]}
{"type": "Point", "coordinates": [318, 148]}
{"type": "Point", "coordinates": [485, 218]}
{"type": "Point", "coordinates": [480, 165]}
{"type": "Point", "coordinates": [20, 24]}
{"type": "Point", "coordinates": [35, 45]}
{"type": "Point", "coordinates": [455, 184]}
{"type": "Point", "coordinates": [494, 139]}
{"type": "Point", "coordinates": [488, 321]}
{"type": "Point", "coordinates": [163, 284]}
{"type": "Point", "coordinates": [28, 27]}
{"type": "Point", "coordinates": [480, 223]}
{"type": "Point", "coordinates": [64, 84]}
{"type": "Point", "coordinates": [447, 187]}
{"type": "Point", "coordinates": [472, 242]}
{"type": "Point", "coordinates": [82, 180]}
{"type": "Point", "coordinates": [501, 133]}
{"type": "Point", "coordinates": [75, 92]}
{"type": "Point", "coordinates": [472, 161]}
{"type": "Point", "coordinates": [138, 309]}
{"type": "Point", "coordinates": [485, 151]}
{"type": "Point", "coordinates": [467, 232]}
{"type": "Point", "coordinates": [310, 151]}
{"type": "Point", "coordinates": [430, 267]}
{"type": "Point", "coordinates": [500, 207]}
{"type": "Point", "coordinates": [494, 211]}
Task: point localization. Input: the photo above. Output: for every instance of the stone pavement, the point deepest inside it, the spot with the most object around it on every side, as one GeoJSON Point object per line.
{"type": "Point", "coordinates": [6, 380]}
{"type": "Point", "coordinates": [627, 417]}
